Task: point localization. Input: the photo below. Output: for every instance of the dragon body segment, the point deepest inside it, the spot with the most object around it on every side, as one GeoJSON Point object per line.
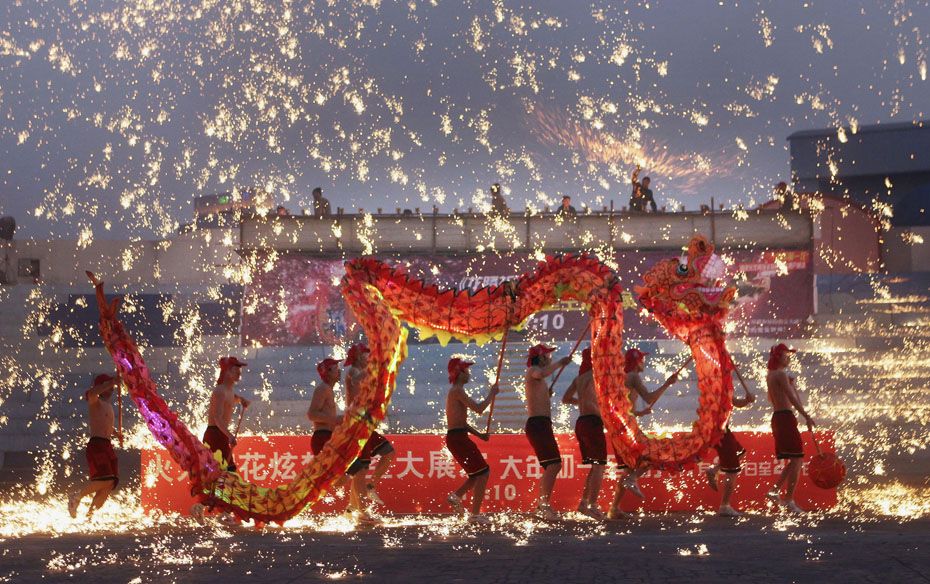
{"type": "Point", "coordinates": [684, 295]}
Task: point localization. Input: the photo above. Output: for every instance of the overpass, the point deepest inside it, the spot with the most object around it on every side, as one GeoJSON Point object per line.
{"type": "Point", "coordinates": [365, 233]}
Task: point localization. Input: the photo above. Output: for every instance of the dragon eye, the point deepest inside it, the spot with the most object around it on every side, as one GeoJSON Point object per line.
{"type": "Point", "coordinates": [682, 269]}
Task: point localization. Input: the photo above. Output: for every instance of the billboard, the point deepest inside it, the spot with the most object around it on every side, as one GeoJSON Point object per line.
{"type": "Point", "coordinates": [297, 301]}
{"type": "Point", "coordinates": [424, 473]}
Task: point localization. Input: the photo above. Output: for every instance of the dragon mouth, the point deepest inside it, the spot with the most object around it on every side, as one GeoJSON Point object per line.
{"type": "Point", "coordinates": [711, 294]}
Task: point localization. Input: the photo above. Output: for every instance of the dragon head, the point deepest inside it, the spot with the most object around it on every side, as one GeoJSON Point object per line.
{"type": "Point", "coordinates": [688, 292]}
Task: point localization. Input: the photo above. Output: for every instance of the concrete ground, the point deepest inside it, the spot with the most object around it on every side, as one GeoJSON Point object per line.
{"type": "Point", "coordinates": [685, 548]}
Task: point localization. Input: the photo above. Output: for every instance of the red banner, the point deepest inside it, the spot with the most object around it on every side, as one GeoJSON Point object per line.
{"type": "Point", "coordinates": [424, 473]}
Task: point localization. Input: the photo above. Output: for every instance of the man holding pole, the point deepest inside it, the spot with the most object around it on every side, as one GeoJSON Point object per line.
{"type": "Point", "coordinates": [324, 416]}
{"type": "Point", "coordinates": [539, 423]}
{"type": "Point", "coordinates": [784, 397]}
{"type": "Point", "coordinates": [729, 455]}
{"type": "Point", "coordinates": [377, 445]}
{"type": "Point", "coordinates": [634, 365]}
{"type": "Point", "coordinates": [219, 414]}
{"type": "Point", "coordinates": [461, 447]}
{"type": "Point", "coordinates": [223, 400]}
{"type": "Point", "coordinates": [589, 430]}
{"type": "Point", "coordinates": [102, 464]}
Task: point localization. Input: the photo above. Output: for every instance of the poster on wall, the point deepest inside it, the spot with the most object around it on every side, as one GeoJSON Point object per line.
{"type": "Point", "coordinates": [297, 302]}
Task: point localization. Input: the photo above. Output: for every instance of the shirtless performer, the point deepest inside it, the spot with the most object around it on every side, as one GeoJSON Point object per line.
{"type": "Point", "coordinates": [461, 447]}
{"type": "Point", "coordinates": [219, 415]}
{"type": "Point", "coordinates": [223, 400]}
{"type": "Point", "coordinates": [634, 365]}
{"type": "Point", "coordinates": [728, 467]}
{"type": "Point", "coordinates": [377, 445]}
{"type": "Point", "coordinates": [539, 423]}
{"type": "Point", "coordinates": [783, 395]}
{"type": "Point", "coordinates": [323, 414]}
{"type": "Point", "coordinates": [103, 466]}
{"type": "Point", "coordinates": [589, 430]}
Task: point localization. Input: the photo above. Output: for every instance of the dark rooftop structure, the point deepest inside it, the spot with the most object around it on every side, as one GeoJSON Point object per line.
{"type": "Point", "coordinates": [861, 165]}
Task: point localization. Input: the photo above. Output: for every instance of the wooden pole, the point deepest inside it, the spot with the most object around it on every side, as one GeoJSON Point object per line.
{"type": "Point", "coordinates": [814, 440]}
{"type": "Point", "coordinates": [741, 380]}
{"type": "Point", "coordinates": [511, 292]}
{"type": "Point", "coordinates": [570, 355]}
{"type": "Point", "coordinates": [497, 378]}
{"type": "Point", "coordinates": [683, 365]}
{"type": "Point", "coordinates": [239, 424]}
{"type": "Point", "coordinates": [119, 408]}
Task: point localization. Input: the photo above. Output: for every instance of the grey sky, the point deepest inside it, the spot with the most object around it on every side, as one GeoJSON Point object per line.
{"type": "Point", "coordinates": [118, 112]}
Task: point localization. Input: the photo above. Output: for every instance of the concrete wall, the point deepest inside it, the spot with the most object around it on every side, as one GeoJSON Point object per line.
{"type": "Point", "coordinates": [907, 249]}
{"type": "Point", "coordinates": [883, 150]}
{"type": "Point", "coordinates": [194, 260]}
{"type": "Point", "coordinates": [353, 234]}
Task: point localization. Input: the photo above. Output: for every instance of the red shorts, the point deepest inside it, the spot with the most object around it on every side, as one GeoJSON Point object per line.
{"type": "Point", "coordinates": [466, 453]}
{"type": "Point", "coordinates": [377, 445]}
{"type": "Point", "coordinates": [539, 432]}
{"type": "Point", "coordinates": [787, 438]}
{"type": "Point", "coordinates": [589, 430]}
{"type": "Point", "coordinates": [215, 440]}
{"type": "Point", "coordinates": [620, 464]}
{"type": "Point", "coordinates": [102, 463]}
{"type": "Point", "coordinates": [729, 453]}
{"type": "Point", "coordinates": [319, 439]}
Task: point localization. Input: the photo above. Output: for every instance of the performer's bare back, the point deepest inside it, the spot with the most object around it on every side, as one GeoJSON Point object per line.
{"type": "Point", "coordinates": [587, 398]}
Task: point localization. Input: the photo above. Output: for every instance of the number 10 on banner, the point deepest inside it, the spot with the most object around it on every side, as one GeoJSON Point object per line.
{"type": "Point", "coordinates": [509, 492]}
{"type": "Point", "coordinates": [542, 321]}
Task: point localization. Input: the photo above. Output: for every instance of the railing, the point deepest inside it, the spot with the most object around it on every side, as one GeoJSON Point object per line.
{"type": "Point", "coordinates": [548, 232]}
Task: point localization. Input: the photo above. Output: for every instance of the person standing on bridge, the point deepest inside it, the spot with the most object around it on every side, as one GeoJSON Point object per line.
{"type": "Point", "coordinates": [589, 430]}
{"type": "Point", "coordinates": [102, 464]}
{"type": "Point", "coordinates": [784, 397]}
{"type": "Point", "coordinates": [566, 209]}
{"type": "Point", "coordinates": [461, 447]}
{"type": "Point", "coordinates": [642, 194]}
{"type": "Point", "coordinates": [538, 427]}
{"type": "Point", "coordinates": [321, 206]}
{"type": "Point", "coordinates": [498, 204]}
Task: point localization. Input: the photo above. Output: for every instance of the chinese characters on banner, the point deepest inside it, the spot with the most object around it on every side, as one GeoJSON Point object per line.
{"type": "Point", "coordinates": [424, 473]}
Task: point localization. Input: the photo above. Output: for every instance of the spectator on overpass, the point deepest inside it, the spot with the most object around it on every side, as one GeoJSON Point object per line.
{"type": "Point", "coordinates": [784, 196]}
{"type": "Point", "coordinates": [498, 204]}
{"type": "Point", "coordinates": [320, 204]}
{"type": "Point", "coordinates": [642, 194]}
{"type": "Point", "coordinates": [566, 209]}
